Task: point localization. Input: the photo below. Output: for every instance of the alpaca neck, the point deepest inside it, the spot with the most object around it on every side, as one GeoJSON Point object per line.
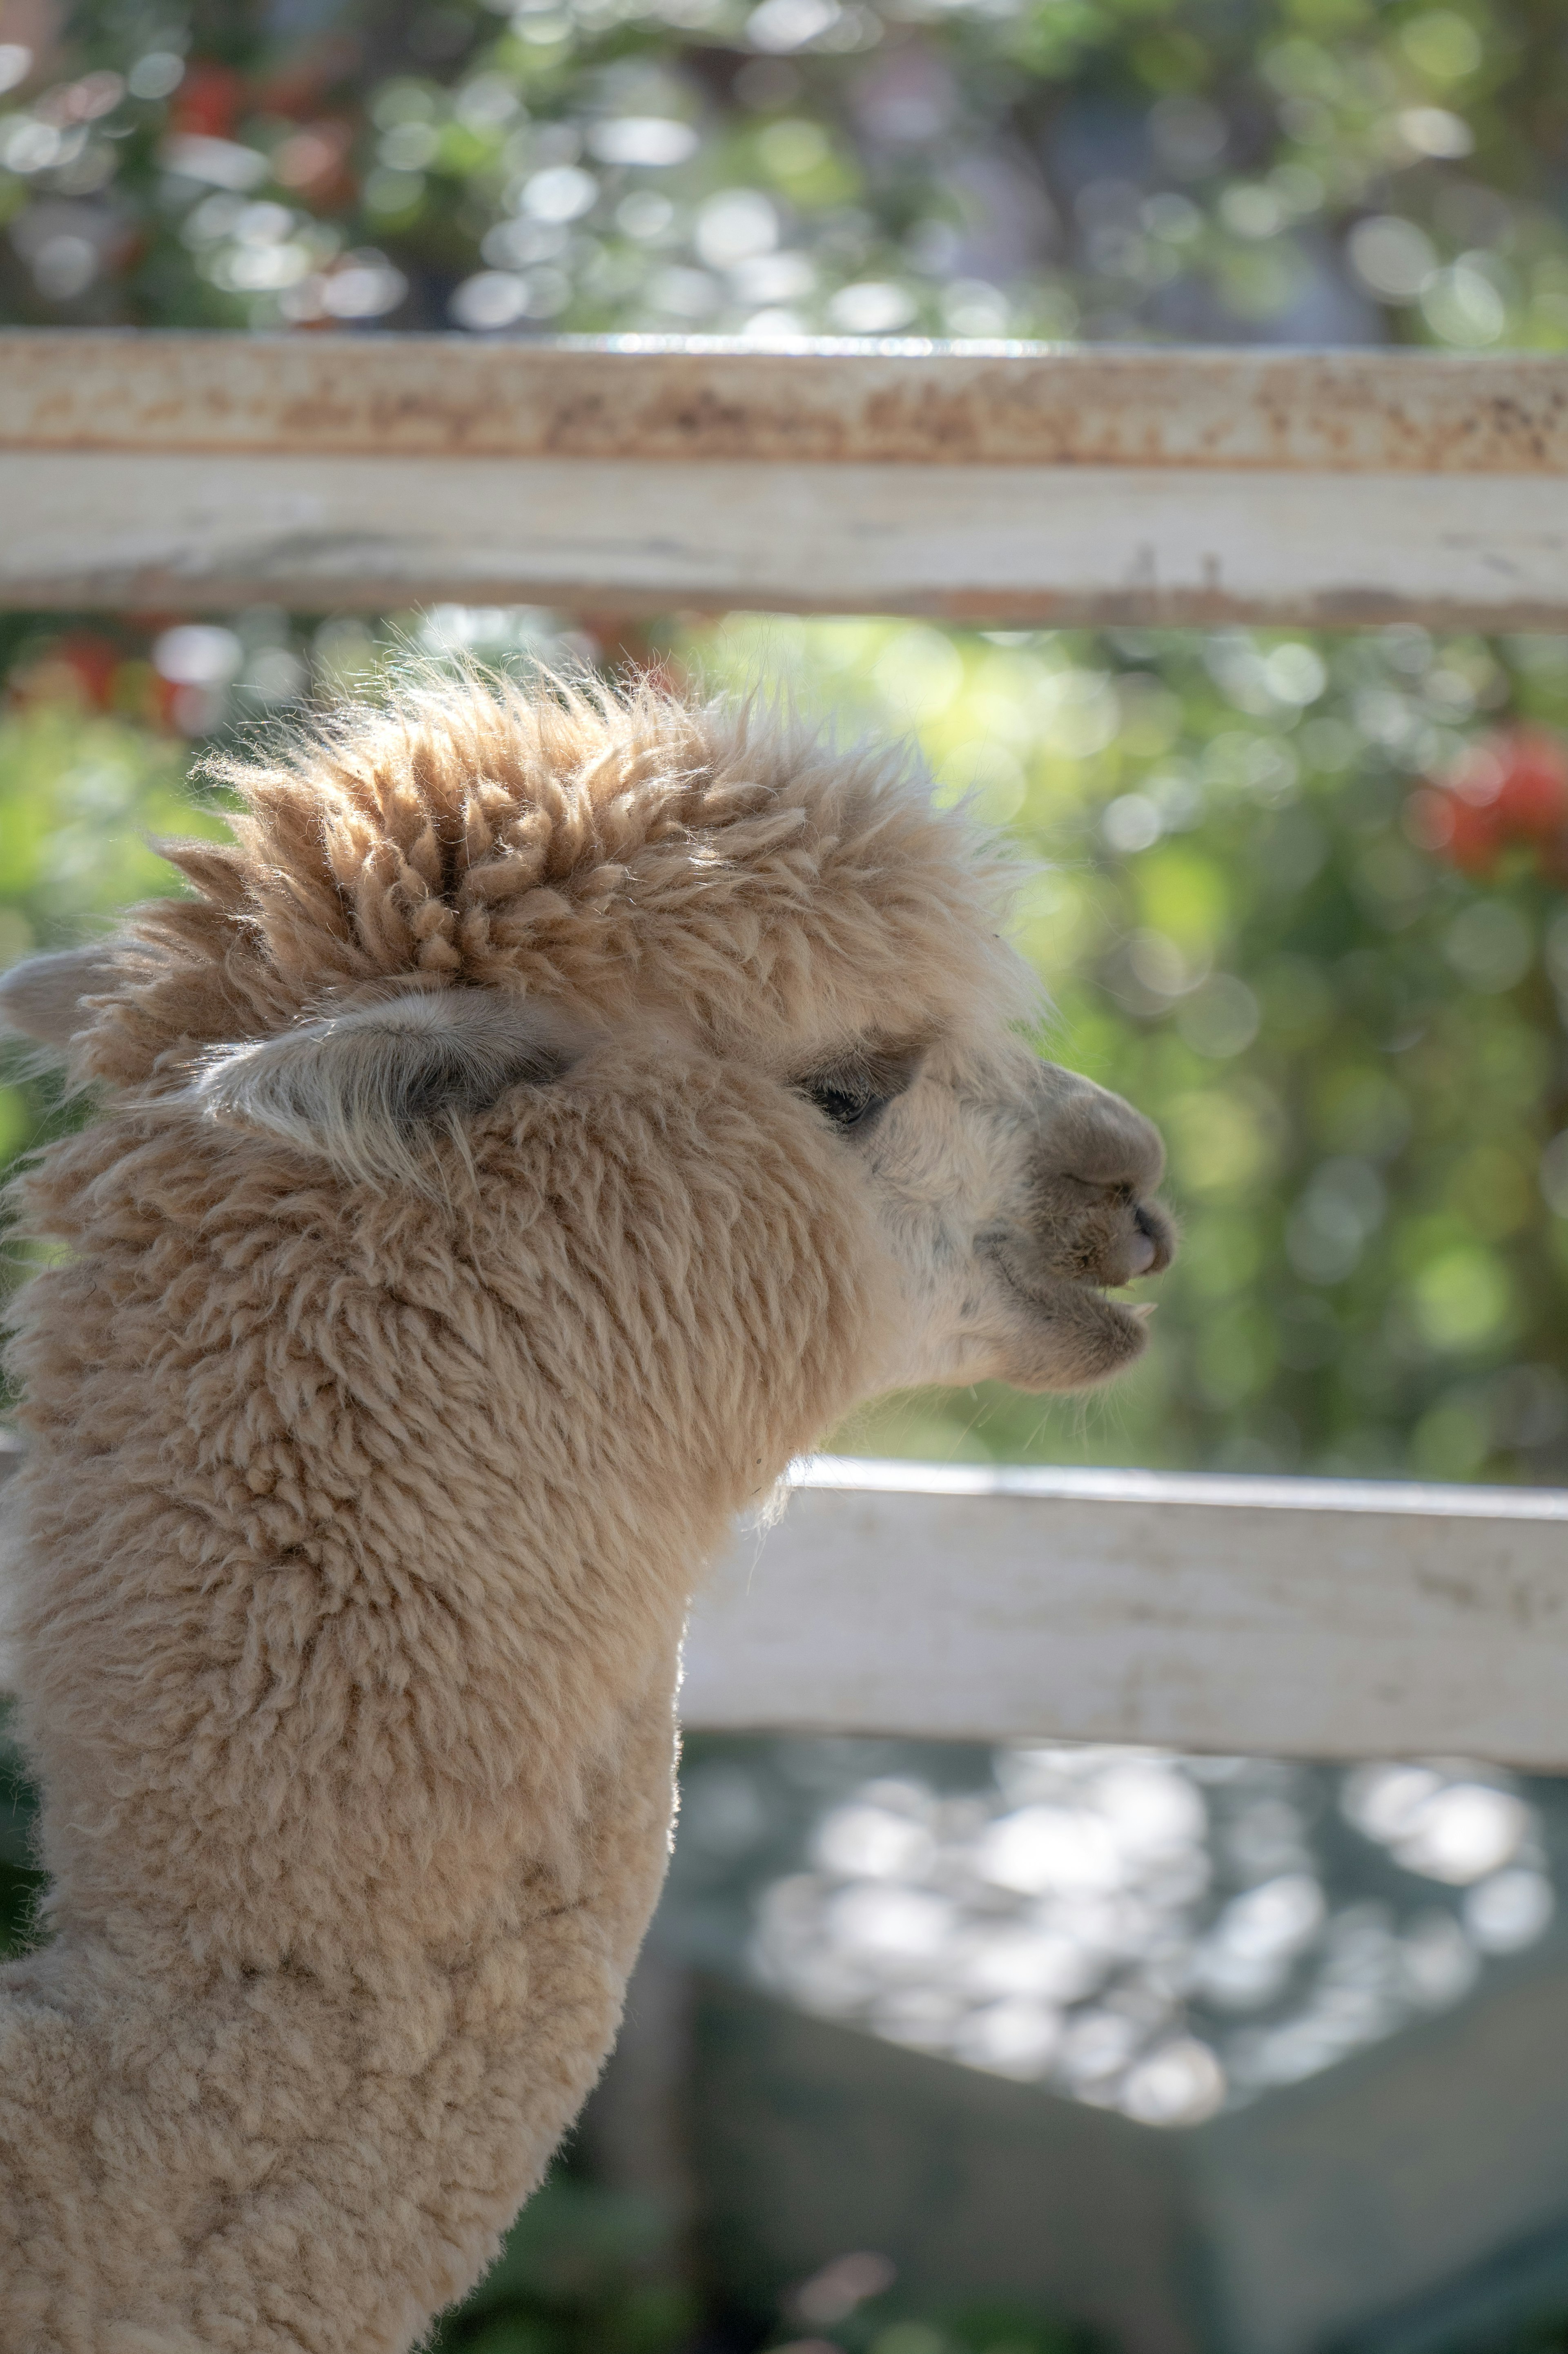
{"type": "Point", "coordinates": [358, 1548]}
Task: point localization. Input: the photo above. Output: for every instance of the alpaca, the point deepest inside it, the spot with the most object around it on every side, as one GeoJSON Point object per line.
{"type": "Point", "coordinates": [546, 1117]}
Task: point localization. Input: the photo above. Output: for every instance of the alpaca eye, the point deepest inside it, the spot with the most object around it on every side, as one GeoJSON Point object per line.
{"type": "Point", "coordinates": [847, 1110]}
{"type": "Point", "coordinates": [854, 1093]}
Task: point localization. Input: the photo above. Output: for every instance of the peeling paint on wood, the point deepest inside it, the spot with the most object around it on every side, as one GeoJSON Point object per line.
{"type": "Point", "coordinates": [703, 398]}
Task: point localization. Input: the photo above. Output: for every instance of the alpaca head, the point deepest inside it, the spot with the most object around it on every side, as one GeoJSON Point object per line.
{"type": "Point", "coordinates": [451, 933]}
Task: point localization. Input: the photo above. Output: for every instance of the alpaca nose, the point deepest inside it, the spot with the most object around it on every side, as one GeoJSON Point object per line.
{"type": "Point", "coordinates": [1092, 1211]}
{"type": "Point", "coordinates": [1150, 1248]}
{"type": "Point", "coordinates": [1095, 1137]}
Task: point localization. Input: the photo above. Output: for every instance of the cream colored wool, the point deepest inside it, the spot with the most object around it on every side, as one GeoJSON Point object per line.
{"type": "Point", "coordinates": [482, 1212]}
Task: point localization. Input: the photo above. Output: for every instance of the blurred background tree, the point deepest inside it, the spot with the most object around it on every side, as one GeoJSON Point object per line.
{"type": "Point", "coordinates": [1323, 171]}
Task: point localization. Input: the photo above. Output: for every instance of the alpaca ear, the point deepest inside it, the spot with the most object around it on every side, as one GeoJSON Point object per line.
{"type": "Point", "coordinates": [41, 999]}
{"type": "Point", "coordinates": [372, 1089]}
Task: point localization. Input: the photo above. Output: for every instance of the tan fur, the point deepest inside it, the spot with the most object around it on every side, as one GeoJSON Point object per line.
{"type": "Point", "coordinates": [459, 1247]}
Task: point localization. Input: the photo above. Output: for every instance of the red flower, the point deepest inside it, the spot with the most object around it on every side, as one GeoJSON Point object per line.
{"type": "Point", "coordinates": [94, 661]}
{"type": "Point", "coordinates": [208, 101]}
{"type": "Point", "coordinates": [1533, 796]}
{"type": "Point", "coordinates": [1510, 787]}
{"type": "Point", "coordinates": [1476, 837]}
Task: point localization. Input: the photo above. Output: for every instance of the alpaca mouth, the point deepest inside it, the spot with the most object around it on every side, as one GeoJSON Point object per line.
{"type": "Point", "coordinates": [1131, 1314]}
{"type": "Point", "coordinates": [1066, 1331]}
{"type": "Point", "coordinates": [1054, 1264]}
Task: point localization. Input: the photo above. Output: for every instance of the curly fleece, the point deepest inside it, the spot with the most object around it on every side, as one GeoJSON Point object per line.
{"type": "Point", "coordinates": [360, 1523]}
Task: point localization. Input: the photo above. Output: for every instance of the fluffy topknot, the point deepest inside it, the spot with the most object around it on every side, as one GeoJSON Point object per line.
{"type": "Point", "coordinates": [609, 850]}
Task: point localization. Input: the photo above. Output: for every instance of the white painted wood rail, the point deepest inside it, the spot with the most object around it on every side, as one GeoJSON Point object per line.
{"type": "Point", "coordinates": [1292, 1617]}
{"type": "Point", "coordinates": [1310, 1618]}
{"type": "Point", "coordinates": [1003, 484]}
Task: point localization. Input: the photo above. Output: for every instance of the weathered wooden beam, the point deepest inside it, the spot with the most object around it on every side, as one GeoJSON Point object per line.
{"type": "Point", "coordinates": [894, 403]}
{"type": "Point", "coordinates": [1289, 1617]}
{"type": "Point", "coordinates": [1310, 1618]}
{"type": "Point", "coordinates": [998, 483]}
{"type": "Point", "coordinates": [987, 543]}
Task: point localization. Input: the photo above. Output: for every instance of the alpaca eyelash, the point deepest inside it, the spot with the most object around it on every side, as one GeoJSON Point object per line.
{"type": "Point", "coordinates": [846, 1109]}
{"type": "Point", "coordinates": [853, 1097]}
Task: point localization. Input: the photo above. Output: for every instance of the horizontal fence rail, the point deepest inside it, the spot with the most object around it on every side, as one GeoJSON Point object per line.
{"type": "Point", "coordinates": [1306, 1618]}
{"type": "Point", "coordinates": [996, 483]}
{"type": "Point", "coordinates": [1286, 1617]}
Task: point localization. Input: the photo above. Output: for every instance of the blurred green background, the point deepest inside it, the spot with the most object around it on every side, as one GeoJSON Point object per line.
{"type": "Point", "coordinates": [1327, 170]}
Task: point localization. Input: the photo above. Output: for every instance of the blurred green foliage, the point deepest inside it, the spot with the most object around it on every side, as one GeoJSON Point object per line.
{"type": "Point", "coordinates": [887, 2325]}
{"type": "Point", "coordinates": [1330, 171]}
{"type": "Point", "coordinates": [79, 795]}
{"type": "Point", "coordinates": [21, 1883]}
{"type": "Point", "coordinates": [584, 2271]}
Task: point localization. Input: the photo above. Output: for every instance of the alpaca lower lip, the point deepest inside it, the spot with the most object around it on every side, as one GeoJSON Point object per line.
{"type": "Point", "coordinates": [1137, 1311]}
